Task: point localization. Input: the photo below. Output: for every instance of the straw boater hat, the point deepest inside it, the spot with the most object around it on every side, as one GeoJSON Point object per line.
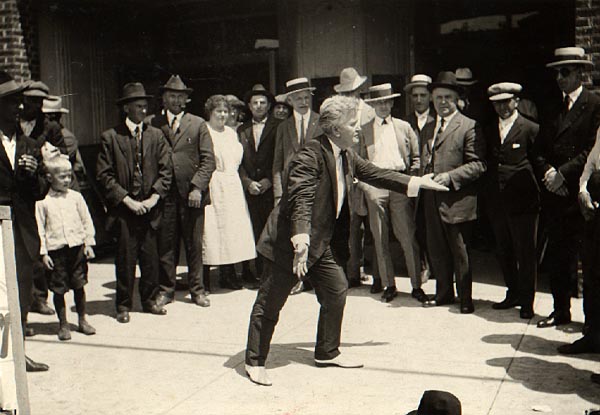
{"type": "Point", "coordinates": [350, 80]}
{"type": "Point", "coordinates": [36, 89]}
{"type": "Point", "coordinates": [133, 91]}
{"type": "Point", "coordinates": [569, 56]}
{"type": "Point", "coordinates": [296, 85]}
{"type": "Point", "coordinates": [464, 77]}
{"type": "Point", "coordinates": [438, 403]}
{"type": "Point", "coordinates": [381, 93]}
{"type": "Point", "coordinates": [503, 91]}
{"type": "Point", "coordinates": [52, 105]}
{"type": "Point", "coordinates": [175, 84]}
{"type": "Point", "coordinates": [258, 89]}
{"type": "Point", "coordinates": [8, 86]}
{"type": "Point", "coordinates": [446, 79]}
{"type": "Point", "coordinates": [417, 80]}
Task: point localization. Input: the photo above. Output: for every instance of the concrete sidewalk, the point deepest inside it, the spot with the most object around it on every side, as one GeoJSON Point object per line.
{"type": "Point", "coordinates": [191, 360]}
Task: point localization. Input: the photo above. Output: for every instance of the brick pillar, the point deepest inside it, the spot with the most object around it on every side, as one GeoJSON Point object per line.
{"type": "Point", "coordinates": [587, 35]}
{"type": "Point", "coordinates": [18, 51]}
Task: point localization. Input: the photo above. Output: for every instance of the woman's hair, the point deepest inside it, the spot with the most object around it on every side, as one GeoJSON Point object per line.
{"type": "Point", "coordinates": [57, 163]}
{"type": "Point", "coordinates": [213, 102]}
{"type": "Point", "coordinates": [335, 110]}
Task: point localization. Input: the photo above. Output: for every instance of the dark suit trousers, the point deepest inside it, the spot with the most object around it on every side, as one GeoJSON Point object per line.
{"type": "Point", "coordinates": [24, 265]}
{"type": "Point", "coordinates": [40, 284]}
{"type": "Point", "coordinates": [179, 220]}
{"type": "Point", "coordinates": [135, 240]}
{"type": "Point", "coordinates": [591, 276]}
{"type": "Point", "coordinates": [449, 246]}
{"type": "Point", "coordinates": [260, 207]}
{"type": "Point", "coordinates": [329, 281]}
{"type": "Point", "coordinates": [516, 236]}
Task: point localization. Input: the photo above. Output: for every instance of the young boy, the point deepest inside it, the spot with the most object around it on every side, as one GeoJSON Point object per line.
{"type": "Point", "coordinates": [66, 238]}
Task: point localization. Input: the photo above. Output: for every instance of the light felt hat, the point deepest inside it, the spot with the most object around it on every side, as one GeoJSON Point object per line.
{"type": "Point", "coordinates": [417, 80]}
{"type": "Point", "coordinates": [175, 84]}
{"type": "Point", "coordinates": [8, 86]}
{"type": "Point", "coordinates": [381, 93]}
{"type": "Point", "coordinates": [350, 80]}
{"type": "Point", "coordinates": [296, 85]}
{"type": "Point", "coordinates": [569, 56]}
{"type": "Point", "coordinates": [503, 90]}
{"type": "Point", "coordinates": [36, 89]}
{"type": "Point", "coordinates": [464, 77]}
{"type": "Point", "coordinates": [52, 105]}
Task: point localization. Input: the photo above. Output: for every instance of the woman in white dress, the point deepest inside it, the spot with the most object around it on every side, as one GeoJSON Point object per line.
{"type": "Point", "coordinates": [228, 237]}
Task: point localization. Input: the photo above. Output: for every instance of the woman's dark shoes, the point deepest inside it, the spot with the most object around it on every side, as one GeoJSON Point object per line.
{"type": "Point", "coordinates": [376, 287]}
{"type": "Point", "coordinates": [554, 319]}
{"type": "Point", "coordinates": [41, 308]}
{"type": "Point", "coordinates": [506, 304]}
{"type": "Point", "coordinates": [64, 332]}
{"type": "Point", "coordinates": [526, 313]}
{"type": "Point", "coordinates": [32, 366]}
{"type": "Point", "coordinates": [123, 316]}
{"type": "Point", "coordinates": [419, 295]}
{"type": "Point", "coordinates": [389, 294]}
{"type": "Point", "coordinates": [86, 328]}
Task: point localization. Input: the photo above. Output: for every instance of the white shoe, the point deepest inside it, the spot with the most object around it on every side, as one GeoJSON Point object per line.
{"type": "Point", "coordinates": [258, 375]}
{"type": "Point", "coordinates": [338, 361]}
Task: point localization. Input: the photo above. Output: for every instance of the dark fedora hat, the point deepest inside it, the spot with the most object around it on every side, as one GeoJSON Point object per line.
{"type": "Point", "coordinates": [133, 91]}
{"type": "Point", "coordinates": [175, 84]}
{"type": "Point", "coordinates": [438, 403]}
{"type": "Point", "coordinates": [258, 89]}
{"type": "Point", "coordinates": [446, 79]}
{"type": "Point", "coordinates": [8, 85]}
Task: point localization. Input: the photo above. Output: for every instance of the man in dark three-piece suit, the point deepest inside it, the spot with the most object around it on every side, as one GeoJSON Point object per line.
{"type": "Point", "coordinates": [512, 196]}
{"type": "Point", "coordinates": [258, 140]}
{"type": "Point", "coordinates": [19, 189]}
{"type": "Point", "coordinates": [561, 150]}
{"type": "Point", "coordinates": [453, 151]}
{"type": "Point", "coordinates": [134, 171]}
{"type": "Point", "coordinates": [193, 163]}
{"type": "Point", "coordinates": [307, 234]}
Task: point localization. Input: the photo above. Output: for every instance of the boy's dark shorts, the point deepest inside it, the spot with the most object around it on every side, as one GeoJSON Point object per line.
{"type": "Point", "coordinates": [70, 270]}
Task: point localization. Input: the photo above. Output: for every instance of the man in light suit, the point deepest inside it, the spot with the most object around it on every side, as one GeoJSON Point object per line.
{"type": "Point", "coordinates": [512, 196]}
{"type": "Point", "coordinates": [193, 163]}
{"type": "Point", "coordinates": [307, 234]}
{"type": "Point", "coordinates": [561, 151]}
{"type": "Point", "coordinates": [453, 150]}
{"type": "Point", "coordinates": [351, 84]}
{"type": "Point", "coordinates": [134, 171]}
{"type": "Point", "coordinates": [391, 143]}
{"type": "Point", "coordinates": [256, 171]}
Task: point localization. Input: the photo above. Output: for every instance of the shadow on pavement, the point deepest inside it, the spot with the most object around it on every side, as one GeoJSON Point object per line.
{"type": "Point", "coordinates": [549, 377]}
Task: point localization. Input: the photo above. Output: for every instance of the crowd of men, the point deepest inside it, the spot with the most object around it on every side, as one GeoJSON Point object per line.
{"type": "Point", "coordinates": [153, 172]}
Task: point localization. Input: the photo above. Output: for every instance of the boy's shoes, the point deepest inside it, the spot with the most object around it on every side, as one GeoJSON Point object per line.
{"type": "Point", "coordinates": [86, 328]}
{"type": "Point", "coordinates": [155, 309]}
{"type": "Point", "coordinates": [41, 308]}
{"type": "Point", "coordinates": [123, 316]}
{"type": "Point", "coordinates": [64, 333]}
{"type": "Point", "coordinates": [32, 366]}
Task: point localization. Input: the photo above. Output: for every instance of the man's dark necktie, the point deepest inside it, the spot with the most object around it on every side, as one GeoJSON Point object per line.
{"type": "Point", "coordinates": [384, 122]}
{"type": "Point", "coordinates": [302, 133]}
{"type": "Point", "coordinates": [566, 103]}
{"type": "Point", "coordinates": [137, 174]}
{"type": "Point", "coordinates": [429, 167]}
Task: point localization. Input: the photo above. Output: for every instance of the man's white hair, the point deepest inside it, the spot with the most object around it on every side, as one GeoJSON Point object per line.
{"type": "Point", "coordinates": [335, 110]}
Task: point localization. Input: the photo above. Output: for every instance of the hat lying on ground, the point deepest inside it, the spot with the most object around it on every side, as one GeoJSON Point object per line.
{"type": "Point", "coordinates": [503, 90]}
{"type": "Point", "coordinates": [438, 403]}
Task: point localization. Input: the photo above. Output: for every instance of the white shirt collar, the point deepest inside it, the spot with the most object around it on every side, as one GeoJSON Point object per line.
{"type": "Point", "coordinates": [447, 119]}
{"type": "Point", "coordinates": [380, 120]}
{"type": "Point", "coordinates": [170, 116]}
{"type": "Point", "coordinates": [132, 126]}
{"type": "Point", "coordinates": [510, 120]}
{"type": "Point", "coordinates": [425, 114]}
{"type": "Point", "coordinates": [574, 95]}
{"type": "Point", "coordinates": [263, 121]}
{"type": "Point", "coordinates": [298, 116]}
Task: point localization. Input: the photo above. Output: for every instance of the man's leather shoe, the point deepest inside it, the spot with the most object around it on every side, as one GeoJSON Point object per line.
{"type": "Point", "coordinates": [595, 378]}
{"type": "Point", "coordinates": [376, 287]}
{"type": "Point", "coordinates": [554, 319]}
{"type": "Point", "coordinates": [354, 282]}
{"type": "Point", "coordinates": [297, 289]}
{"type": "Point", "coordinates": [155, 309]}
{"type": "Point", "coordinates": [29, 332]}
{"type": "Point", "coordinates": [123, 316]}
{"type": "Point", "coordinates": [389, 294]}
{"type": "Point", "coordinates": [201, 300]}
{"type": "Point", "coordinates": [163, 299]}
{"type": "Point", "coordinates": [505, 304]}
{"type": "Point", "coordinates": [526, 313]}
{"type": "Point", "coordinates": [32, 366]}
{"type": "Point", "coordinates": [583, 345]}
{"type": "Point", "coordinates": [435, 303]}
{"type": "Point", "coordinates": [419, 295]}
{"type": "Point", "coordinates": [467, 307]}
{"type": "Point", "coordinates": [338, 361]}
{"type": "Point", "coordinates": [258, 375]}
{"type": "Point", "coordinates": [41, 308]}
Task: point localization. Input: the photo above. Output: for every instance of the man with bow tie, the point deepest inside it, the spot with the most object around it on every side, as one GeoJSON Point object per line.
{"type": "Point", "coordinates": [193, 163]}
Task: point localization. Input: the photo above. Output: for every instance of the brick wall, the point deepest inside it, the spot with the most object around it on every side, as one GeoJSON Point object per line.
{"type": "Point", "coordinates": [587, 35]}
{"type": "Point", "coordinates": [18, 43]}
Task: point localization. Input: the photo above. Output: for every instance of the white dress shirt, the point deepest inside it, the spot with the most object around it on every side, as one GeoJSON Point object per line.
{"type": "Point", "coordinates": [27, 126]}
{"type": "Point", "coordinates": [257, 130]}
{"type": "Point", "coordinates": [134, 129]}
{"type": "Point", "coordinates": [174, 120]}
{"type": "Point", "coordinates": [573, 96]}
{"type": "Point", "coordinates": [504, 125]}
{"type": "Point", "coordinates": [297, 118]}
{"type": "Point", "coordinates": [438, 123]}
{"type": "Point", "coordinates": [422, 118]}
{"type": "Point", "coordinates": [10, 147]}
{"type": "Point", "coordinates": [386, 152]}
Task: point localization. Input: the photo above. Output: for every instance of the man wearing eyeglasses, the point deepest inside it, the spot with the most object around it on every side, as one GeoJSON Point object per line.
{"type": "Point", "coordinates": [560, 155]}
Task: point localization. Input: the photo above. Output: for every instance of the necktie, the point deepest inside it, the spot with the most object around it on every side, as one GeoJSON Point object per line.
{"type": "Point", "coordinates": [138, 147]}
{"type": "Point", "coordinates": [384, 122]}
{"type": "Point", "coordinates": [173, 126]}
{"type": "Point", "coordinates": [567, 102]}
{"type": "Point", "coordinates": [302, 132]}
{"type": "Point", "coordinates": [429, 167]}
{"type": "Point", "coordinates": [344, 156]}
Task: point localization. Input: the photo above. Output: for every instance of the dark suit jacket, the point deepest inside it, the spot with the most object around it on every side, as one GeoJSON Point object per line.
{"type": "Point", "coordinates": [286, 145]}
{"type": "Point", "coordinates": [309, 203]}
{"type": "Point", "coordinates": [258, 165]}
{"type": "Point", "coordinates": [20, 190]}
{"type": "Point", "coordinates": [459, 151]}
{"type": "Point", "coordinates": [192, 153]}
{"type": "Point", "coordinates": [564, 143]}
{"type": "Point", "coordinates": [510, 182]}
{"type": "Point", "coordinates": [412, 119]}
{"type": "Point", "coordinates": [116, 165]}
{"type": "Point", "coordinates": [46, 130]}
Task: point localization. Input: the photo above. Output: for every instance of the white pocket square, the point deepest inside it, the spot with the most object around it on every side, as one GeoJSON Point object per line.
{"type": "Point", "coordinates": [516, 145]}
